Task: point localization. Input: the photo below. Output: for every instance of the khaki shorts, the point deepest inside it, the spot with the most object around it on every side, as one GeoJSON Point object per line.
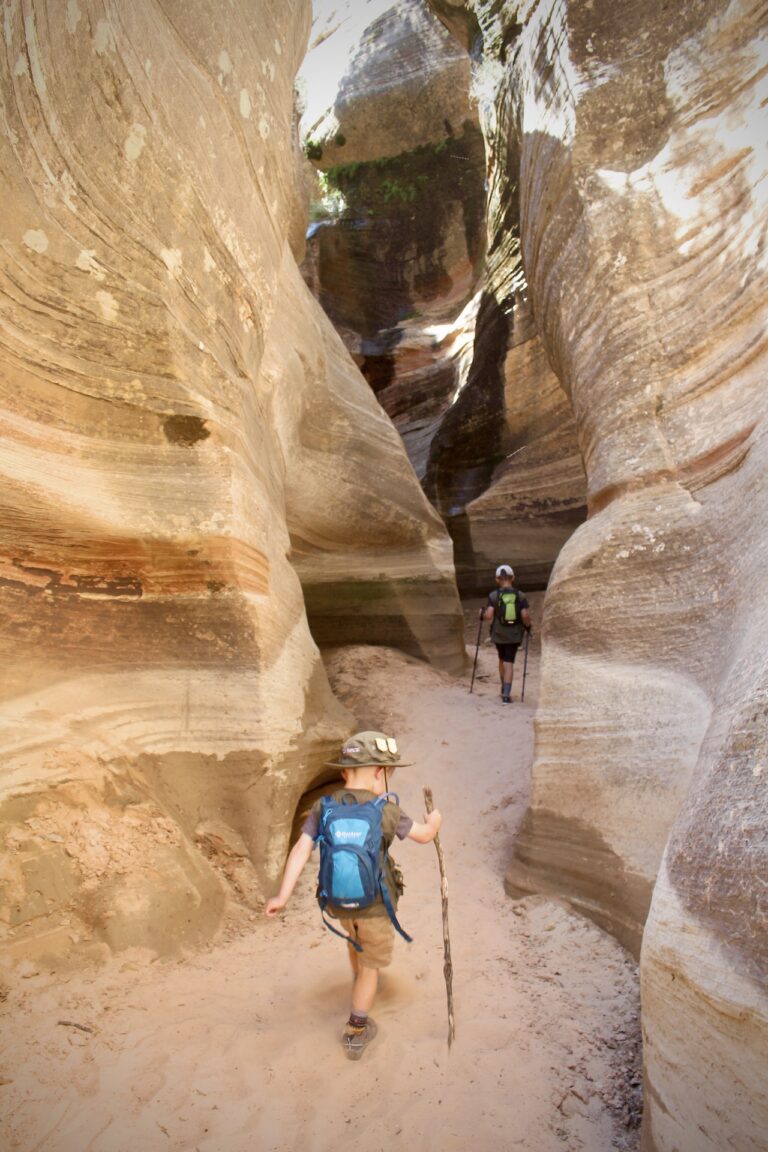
{"type": "Point", "coordinates": [376, 935]}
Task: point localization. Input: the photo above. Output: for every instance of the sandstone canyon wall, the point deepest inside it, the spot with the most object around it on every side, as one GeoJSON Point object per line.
{"type": "Point", "coordinates": [387, 122]}
{"type": "Point", "coordinates": [426, 287]}
{"type": "Point", "coordinates": [641, 135]}
{"type": "Point", "coordinates": [186, 444]}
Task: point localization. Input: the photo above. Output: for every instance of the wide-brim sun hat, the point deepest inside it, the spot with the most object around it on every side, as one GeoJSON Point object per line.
{"type": "Point", "coordinates": [368, 750]}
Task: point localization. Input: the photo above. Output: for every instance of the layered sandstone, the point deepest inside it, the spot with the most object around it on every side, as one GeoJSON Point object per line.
{"type": "Point", "coordinates": [504, 467]}
{"type": "Point", "coordinates": [185, 445]}
{"type": "Point", "coordinates": [379, 78]}
{"type": "Point", "coordinates": [641, 136]}
{"type": "Point", "coordinates": [445, 338]}
{"type": "Point", "coordinates": [396, 251]}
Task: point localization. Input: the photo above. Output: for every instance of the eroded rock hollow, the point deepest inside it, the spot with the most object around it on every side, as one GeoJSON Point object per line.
{"type": "Point", "coordinates": [189, 456]}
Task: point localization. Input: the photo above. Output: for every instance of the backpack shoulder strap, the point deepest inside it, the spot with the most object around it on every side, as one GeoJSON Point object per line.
{"type": "Point", "coordinates": [500, 601]}
{"type": "Point", "coordinates": [380, 801]}
{"type": "Point", "coordinates": [383, 884]}
{"type": "Point", "coordinates": [390, 910]}
{"type": "Point", "coordinates": [357, 947]}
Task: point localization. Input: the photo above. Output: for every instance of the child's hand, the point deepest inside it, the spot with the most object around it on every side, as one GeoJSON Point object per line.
{"type": "Point", "coordinates": [274, 906]}
{"type": "Point", "coordinates": [435, 819]}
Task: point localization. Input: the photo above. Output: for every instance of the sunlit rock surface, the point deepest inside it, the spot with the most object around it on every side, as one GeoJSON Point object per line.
{"type": "Point", "coordinates": [180, 424]}
{"type": "Point", "coordinates": [504, 467]}
{"type": "Point", "coordinates": [396, 250]}
{"type": "Point", "coordinates": [446, 340]}
{"type": "Point", "coordinates": [641, 131]}
{"type": "Point", "coordinates": [381, 77]}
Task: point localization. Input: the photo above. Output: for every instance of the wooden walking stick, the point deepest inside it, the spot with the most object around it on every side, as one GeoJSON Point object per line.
{"type": "Point", "coordinates": [447, 965]}
{"type": "Point", "coordinates": [525, 663]}
{"type": "Point", "coordinates": [477, 649]}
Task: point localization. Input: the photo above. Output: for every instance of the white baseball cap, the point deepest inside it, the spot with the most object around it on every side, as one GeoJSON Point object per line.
{"type": "Point", "coordinates": [504, 570]}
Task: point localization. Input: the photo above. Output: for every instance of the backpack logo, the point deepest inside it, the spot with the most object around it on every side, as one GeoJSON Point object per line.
{"type": "Point", "coordinates": [506, 607]}
{"type": "Point", "coordinates": [352, 857]}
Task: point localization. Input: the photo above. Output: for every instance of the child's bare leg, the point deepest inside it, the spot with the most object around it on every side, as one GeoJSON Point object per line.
{"type": "Point", "coordinates": [364, 990]}
{"type": "Point", "coordinates": [352, 953]}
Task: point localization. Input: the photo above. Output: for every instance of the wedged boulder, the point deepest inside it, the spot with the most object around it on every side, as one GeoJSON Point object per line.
{"type": "Point", "coordinates": [164, 703]}
{"type": "Point", "coordinates": [379, 79]}
{"type": "Point", "coordinates": [641, 137]}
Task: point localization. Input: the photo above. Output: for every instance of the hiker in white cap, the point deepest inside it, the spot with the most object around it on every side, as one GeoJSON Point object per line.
{"type": "Point", "coordinates": [508, 610]}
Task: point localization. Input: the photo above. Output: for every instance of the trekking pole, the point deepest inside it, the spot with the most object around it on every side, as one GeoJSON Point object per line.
{"type": "Point", "coordinates": [447, 964]}
{"type": "Point", "coordinates": [477, 649]}
{"type": "Point", "coordinates": [525, 663]}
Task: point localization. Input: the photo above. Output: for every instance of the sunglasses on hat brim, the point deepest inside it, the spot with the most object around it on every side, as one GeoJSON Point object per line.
{"type": "Point", "coordinates": [386, 744]}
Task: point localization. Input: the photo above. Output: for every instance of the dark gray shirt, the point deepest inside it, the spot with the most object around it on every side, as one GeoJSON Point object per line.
{"type": "Point", "coordinates": [507, 633]}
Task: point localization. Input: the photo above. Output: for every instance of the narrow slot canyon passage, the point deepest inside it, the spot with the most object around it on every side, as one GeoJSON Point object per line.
{"type": "Point", "coordinates": [314, 314]}
{"type": "Point", "coordinates": [236, 1047]}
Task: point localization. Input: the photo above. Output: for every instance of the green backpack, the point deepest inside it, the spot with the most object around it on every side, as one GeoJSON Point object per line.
{"type": "Point", "coordinates": [506, 607]}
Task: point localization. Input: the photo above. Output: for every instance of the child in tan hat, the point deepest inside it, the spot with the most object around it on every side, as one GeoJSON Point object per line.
{"type": "Point", "coordinates": [367, 760]}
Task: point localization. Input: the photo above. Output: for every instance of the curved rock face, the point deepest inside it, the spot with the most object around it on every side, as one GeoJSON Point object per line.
{"type": "Point", "coordinates": [397, 250]}
{"type": "Point", "coordinates": [180, 424]}
{"type": "Point", "coordinates": [641, 133]}
{"type": "Point", "coordinates": [504, 467]}
{"type": "Point", "coordinates": [380, 78]}
{"type": "Point", "coordinates": [447, 345]}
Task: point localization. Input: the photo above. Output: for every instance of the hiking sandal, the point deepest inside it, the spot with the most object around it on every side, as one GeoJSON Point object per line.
{"type": "Point", "coordinates": [356, 1040]}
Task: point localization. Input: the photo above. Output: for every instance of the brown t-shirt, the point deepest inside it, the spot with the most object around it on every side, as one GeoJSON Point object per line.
{"type": "Point", "coordinates": [394, 823]}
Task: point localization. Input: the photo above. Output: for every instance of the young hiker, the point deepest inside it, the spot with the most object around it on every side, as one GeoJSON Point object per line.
{"type": "Point", "coordinates": [367, 761]}
{"type": "Point", "coordinates": [508, 609]}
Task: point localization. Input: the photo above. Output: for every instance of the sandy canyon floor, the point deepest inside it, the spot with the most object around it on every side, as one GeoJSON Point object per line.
{"type": "Point", "coordinates": [237, 1047]}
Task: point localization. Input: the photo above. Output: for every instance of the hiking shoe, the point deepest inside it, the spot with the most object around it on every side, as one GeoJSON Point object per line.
{"type": "Point", "coordinates": [506, 699]}
{"type": "Point", "coordinates": [356, 1040]}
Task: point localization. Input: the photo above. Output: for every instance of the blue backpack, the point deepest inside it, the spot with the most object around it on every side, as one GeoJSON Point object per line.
{"type": "Point", "coordinates": [353, 858]}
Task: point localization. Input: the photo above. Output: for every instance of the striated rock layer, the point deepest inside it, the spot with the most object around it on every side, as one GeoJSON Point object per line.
{"type": "Point", "coordinates": [396, 250]}
{"type": "Point", "coordinates": [180, 424]}
{"type": "Point", "coordinates": [504, 468]}
{"type": "Point", "coordinates": [641, 131]}
{"type": "Point", "coordinates": [446, 340]}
